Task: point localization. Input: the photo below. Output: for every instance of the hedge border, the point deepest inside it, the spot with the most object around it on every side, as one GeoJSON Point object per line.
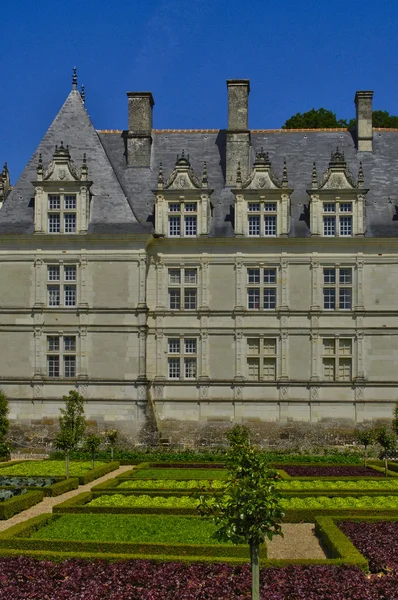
{"type": "Point", "coordinates": [55, 489]}
{"type": "Point", "coordinates": [338, 543]}
{"type": "Point", "coordinates": [285, 476]}
{"type": "Point", "coordinates": [83, 479]}
{"type": "Point", "coordinates": [18, 538]}
{"type": "Point", "coordinates": [17, 504]}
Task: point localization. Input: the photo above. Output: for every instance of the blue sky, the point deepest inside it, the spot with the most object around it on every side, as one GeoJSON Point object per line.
{"type": "Point", "coordinates": [298, 55]}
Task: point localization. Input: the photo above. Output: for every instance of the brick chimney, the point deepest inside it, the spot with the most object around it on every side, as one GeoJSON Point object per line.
{"type": "Point", "coordinates": [139, 135]}
{"type": "Point", "coordinates": [363, 103]}
{"type": "Point", "coordinates": [238, 135]}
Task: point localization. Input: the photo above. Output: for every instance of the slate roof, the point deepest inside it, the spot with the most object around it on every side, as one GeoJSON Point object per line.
{"type": "Point", "coordinates": [123, 199]}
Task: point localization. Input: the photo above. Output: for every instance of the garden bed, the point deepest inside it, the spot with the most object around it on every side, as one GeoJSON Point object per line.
{"type": "Point", "coordinates": [51, 486]}
{"type": "Point", "coordinates": [377, 540]}
{"type": "Point", "coordinates": [335, 471]}
{"type": "Point", "coordinates": [19, 502]}
{"type": "Point", "coordinates": [43, 468]}
{"type": "Point", "coordinates": [174, 473]}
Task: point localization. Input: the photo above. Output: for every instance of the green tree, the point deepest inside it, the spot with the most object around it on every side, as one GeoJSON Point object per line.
{"type": "Point", "coordinates": [4, 424]}
{"type": "Point", "coordinates": [249, 510]}
{"type": "Point", "coordinates": [320, 118]}
{"type": "Point", "coordinates": [365, 437]}
{"type": "Point", "coordinates": [382, 118]}
{"type": "Point", "coordinates": [111, 438]}
{"type": "Point", "coordinates": [388, 443]}
{"type": "Point", "coordinates": [72, 425]}
{"type": "Point", "coordinates": [92, 444]}
{"type": "Point", "coordinates": [395, 419]}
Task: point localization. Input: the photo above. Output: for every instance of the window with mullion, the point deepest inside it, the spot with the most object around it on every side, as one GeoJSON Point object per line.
{"type": "Point", "coordinates": [61, 356]}
{"type": "Point", "coordinates": [63, 292]}
{"type": "Point", "coordinates": [337, 288]}
{"type": "Point", "coordinates": [337, 359]}
{"type": "Point", "coordinates": [59, 216]}
{"type": "Point", "coordinates": [182, 291]}
{"type": "Point", "coordinates": [183, 221]}
{"type": "Point", "coordinates": [182, 358]}
{"type": "Point", "coordinates": [261, 359]}
{"type": "Point", "coordinates": [264, 223]}
{"type": "Point", "coordinates": [261, 288]}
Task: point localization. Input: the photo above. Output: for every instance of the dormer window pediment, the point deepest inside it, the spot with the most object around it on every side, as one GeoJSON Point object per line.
{"type": "Point", "coordinates": [62, 198]}
{"type": "Point", "coordinates": [183, 206]}
{"type": "Point", "coordinates": [262, 201]}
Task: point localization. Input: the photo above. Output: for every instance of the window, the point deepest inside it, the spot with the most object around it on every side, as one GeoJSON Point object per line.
{"type": "Point", "coordinates": [262, 219]}
{"type": "Point", "coordinates": [261, 289]}
{"type": "Point", "coordinates": [183, 219]}
{"type": "Point", "coordinates": [337, 359]}
{"type": "Point", "coordinates": [61, 215]}
{"type": "Point", "coordinates": [61, 285]}
{"type": "Point", "coordinates": [261, 359]}
{"type": "Point", "coordinates": [337, 288]}
{"type": "Point", "coordinates": [337, 218]}
{"type": "Point", "coordinates": [61, 356]}
{"type": "Point", "coordinates": [183, 292]}
{"type": "Point", "coordinates": [182, 358]}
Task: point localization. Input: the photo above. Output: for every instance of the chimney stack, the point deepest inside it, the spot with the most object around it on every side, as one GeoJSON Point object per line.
{"type": "Point", "coordinates": [363, 103]}
{"type": "Point", "coordinates": [238, 135]}
{"type": "Point", "coordinates": [139, 135]}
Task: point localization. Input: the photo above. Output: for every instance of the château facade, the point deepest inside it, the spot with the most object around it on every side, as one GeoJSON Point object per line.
{"type": "Point", "coordinates": [201, 276]}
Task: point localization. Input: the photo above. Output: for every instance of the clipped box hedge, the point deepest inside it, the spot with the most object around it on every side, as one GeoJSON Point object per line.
{"type": "Point", "coordinates": [337, 543]}
{"type": "Point", "coordinates": [98, 472]}
{"type": "Point", "coordinates": [55, 489]}
{"type": "Point", "coordinates": [17, 504]}
{"type": "Point", "coordinates": [310, 515]}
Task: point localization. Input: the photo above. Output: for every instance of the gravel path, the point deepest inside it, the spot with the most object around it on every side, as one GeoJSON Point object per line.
{"type": "Point", "coordinates": [299, 540]}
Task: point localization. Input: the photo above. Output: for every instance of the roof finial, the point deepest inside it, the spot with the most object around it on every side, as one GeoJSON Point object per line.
{"type": "Point", "coordinates": [360, 175]}
{"type": "Point", "coordinates": [238, 176]}
{"type": "Point", "coordinates": [314, 176]}
{"type": "Point", "coordinates": [83, 94]}
{"type": "Point", "coordinates": [84, 169]}
{"type": "Point", "coordinates": [74, 79]}
{"type": "Point", "coordinates": [284, 177]}
{"type": "Point", "coordinates": [204, 176]}
{"type": "Point", "coordinates": [160, 176]}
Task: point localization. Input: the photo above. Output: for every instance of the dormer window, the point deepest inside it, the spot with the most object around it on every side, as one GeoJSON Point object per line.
{"type": "Point", "coordinates": [337, 203]}
{"type": "Point", "coordinates": [262, 206]}
{"type": "Point", "coordinates": [183, 206]}
{"type": "Point", "coordinates": [62, 200]}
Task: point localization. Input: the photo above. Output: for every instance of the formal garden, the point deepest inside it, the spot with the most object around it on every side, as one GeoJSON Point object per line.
{"type": "Point", "coordinates": [197, 525]}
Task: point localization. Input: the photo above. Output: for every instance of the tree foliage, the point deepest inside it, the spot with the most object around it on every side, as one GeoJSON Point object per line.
{"type": "Point", "coordinates": [92, 444]}
{"type": "Point", "coordinates": [365, 437]}
{"type": "Point", "coordinates": [72, 425]}
{"type": "Point", "coordinates": [388, 442]}
{"type": "Point", "coordinates": [322, 118]}
{"type": "Point", "coordinates": [4, 410]}
{"type": "Point", "coordinates": [249, 510]}
{"type": "Point", "coordinates": [111, 438]}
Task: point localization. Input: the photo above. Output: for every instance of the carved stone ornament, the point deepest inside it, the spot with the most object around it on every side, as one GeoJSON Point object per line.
{"type": "Point", "coordinates": [158, 392]}
{"type": "Point", "coordinates": [262, 176]}
{"type": "Point", "coordinates": [83, 389]}
{"type": "Point", "coordinates": [204, 392]}
{"type": "Point", "coordinates": [142, 392]}
{"type": "Point", "coordinates": [283, 393]}
{"type": "Point", "coordinates": [337, 176]}
{"type": "Point", "coordinates": [238, 392]}
{"type": "Point", "coordinates": [38, 390]}
{"type": "Point", "coordinates": [359, 393]}
{"type": "Point", "coordinates": [183, 176]}
{"type": "Point", "coordinates": [314, 393]}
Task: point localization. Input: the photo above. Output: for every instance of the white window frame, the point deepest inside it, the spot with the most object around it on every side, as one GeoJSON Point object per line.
{"type": "Point", "coordinates": [62, 285]}
{"type": "Point", "coordinates": [260, 350]}
{"type": "Point", "coordinates": [182, 218]}
{"type": "Point", "coordinates": [338, 358]}
{"type": "Point", "coordinates": [262, 288]}
{"type": "Point", "coordinates": [63, 207]}
{"type": "Point", "coordinates": [337, 288]}
{"type": "Point", "coordinates": [262, 218]}
{"type": "Point", "coordinates": [183, 288]}
{"type": "Point", "coordinates": [182, 358]}
{"type": "Point", "coordinates": [338, 218]}
{"type": "Point", "coordinates": [61, 356]}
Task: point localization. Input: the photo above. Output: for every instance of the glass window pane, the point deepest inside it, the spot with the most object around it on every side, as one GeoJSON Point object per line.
{"type": "Point", "coordinates": [253, 275]}
{"type": "Point", "coordinates": [269, 298]}
{"type": "Point", "coordinates": [345, 369]}
{"type": "Point", "coordinates": [174, 207]}
{"type": "Point", "coordinates": [253, 225]}
{"type": "Point", "coordinates": [254, 206]}
{"type": "Point", "coordinates": [174, 276]}
{"type": "Point", "coordinates": [345, 225]}
{"type": "Point", "coordinates": [191, 207]}
{"type": "Point", "coordinates": [174, 226]}
{"type": "Point", "coordinates": [174, 368]}
{"type": "Point", "coordinates": [270, 346]}
{"type": "Point", "coordinates": [174, 345]}
{"type": "Point", "coordinates": [346, 207]}
{"type": "Point", "coordinates": [53, 343]}
{"type": "Point", "coordinates": [190, 225]}
{"type": "Point", "coordinates": [70, 202]}
{"type": "Point", "coordinates": [269, 276]}
{"type": "Point", "coordinates": [270, 225]}
{"type": "Point", "coordinates": [54, 223]}
{"type": "Point", "coordinates": [345, 276]}
{"type": "Point", "coordinates": [253, 298]}
{"type": "Point", "coordinates": [53, 273]}
{"type": "Point", "coordinates": [345, 347]}
{"type": "Point", "coordinates": [70, 223]}
{"type": "Point", "coordinates": [53, 295]}
{"type": "Point", "coordinates": [270, 207]}
{"type": "Point", "coordinates": [328, 346]}
{"type": "Point", "coordinates": [70, 366]}
{"type": "Point", "coordinates": [190, 276]}
{"type": "Point", "coordinates": [345, 299]}
{"type": "Point", "coordinates": [329, 298]}
{"type": "Point", "coordinates": [174, 299]}
{"type": "Point", "coordinates": [53, 366]}
{"type": "Point", "coordinates": [70, 343]}
{"type": "Point", "coordinates": [70, 273]}
{"type": "Point", "coordinates": [54, 202]}
{"type": "Point", "coordinates": [190, 346]}
{"type": "Point", "coordinates": [329, 207]}
{"type": "Point", "coordinates": [70, 295]}
{"type": "Point", "coordinates": [329, 275]}
{"type": "Point", "coordinates": [190, 299]}
{"type": "Point", "coordinates": [190, 368]}
{"type": "Point", "coordinates": [329, 226]}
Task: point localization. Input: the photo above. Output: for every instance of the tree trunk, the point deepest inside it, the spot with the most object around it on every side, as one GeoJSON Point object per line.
{"type": "Point", "coordinates": [365, 456]}
{"type": "Point", "coordinates": [112, 453]}
{"type": "Point", "coordinates": [67, 463]}
{"type": "Point", "coordinates": [385, 465]}
{"type": "Point", "coordinates": [92, 460]}
{"type": "Point", "coordinates": [254, 557]}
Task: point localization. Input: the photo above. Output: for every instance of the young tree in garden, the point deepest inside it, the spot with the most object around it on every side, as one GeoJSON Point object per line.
{"type": "Point", "coordinates": [395, 419]}
{"type": "Point", "coordinates": [111, 437]}
{"type": "Point", "coordinates": [249, 510]}
{"type": "Point", "coordinates": [365, 437]}
{"type": "Point", "coordinates": [388, 443]}
{"type": "Point", "coordinates": [92, 444]}
{"type": "Point", "coordinates": [4, 424]}
{"type": "Point", "coordinates": [72, 425]}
